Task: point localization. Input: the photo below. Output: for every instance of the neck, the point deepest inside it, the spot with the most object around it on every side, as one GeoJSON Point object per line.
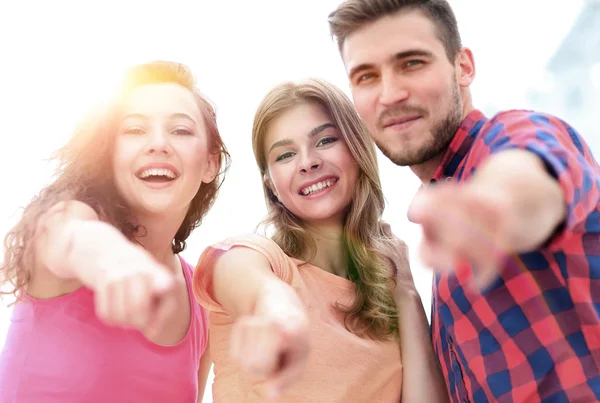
{"type": "Point", "coordinates": [330, 254]}
{"type": "Point", "coordinates": [426, 170]}
{"type": "Point", "coordinates": [157, 238]}
{"type": "Point", "coordinates": [467, 102]}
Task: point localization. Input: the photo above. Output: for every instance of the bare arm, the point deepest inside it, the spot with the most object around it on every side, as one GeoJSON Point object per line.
{"type": "Point", "coordinates": [270, 337]}
{"type": "Point", "coordinates": [53, 240]}
{"type": "Point", "coordinates": [534, 204]}
{"type": "Point", "coordinates": [243, 277]}
{"type": "Point", "coordinates": [203, 370]}
{"type": "Point", "coordinates": [52, 268]}
{"type": "Point", "coordinates": [70, 239]}
{"type": "Point", "coordinates": [72, 247]}
{"type": "Point", "coordinates": [512, 199]}
{"type": "Point", "coordinates": [422, 379]}
{"type": "Point", "coordinates": [535, 182]}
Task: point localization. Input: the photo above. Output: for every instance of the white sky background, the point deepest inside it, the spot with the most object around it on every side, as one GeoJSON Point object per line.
{"type": "Point", "coordinates": [58, 58]}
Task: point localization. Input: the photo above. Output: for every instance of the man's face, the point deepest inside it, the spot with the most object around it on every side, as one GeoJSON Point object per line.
{"type": "Point", "coordinates": [404, 87]}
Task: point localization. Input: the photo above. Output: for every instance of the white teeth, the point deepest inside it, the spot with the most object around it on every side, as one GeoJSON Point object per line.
{"type": "Point", "coordinates": [158, 172]}
{"type": "Point", "coordinates": [317, 186]}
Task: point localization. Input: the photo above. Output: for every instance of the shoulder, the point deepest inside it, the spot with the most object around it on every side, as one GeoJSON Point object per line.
{"type": "Point", "coordinates": [520, 128]}
{"type": "Point", "coordinates": [244, 248]}
{"type": "Point", "coordinates": [249, 238]}
{"type": "Point", "coordinates": [516, 120]}
{"type": "Point", "coordinates": [187, 268]}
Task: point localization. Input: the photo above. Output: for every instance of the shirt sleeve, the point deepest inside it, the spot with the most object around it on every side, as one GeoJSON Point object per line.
{"type": "Point", "coordinates": [564, 153]}
{"type": "Point", "coordinates": [281, 264]}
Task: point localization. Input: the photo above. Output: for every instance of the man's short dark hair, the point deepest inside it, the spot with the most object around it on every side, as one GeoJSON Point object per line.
{"type": "Point", "coordinates": [354, 14]}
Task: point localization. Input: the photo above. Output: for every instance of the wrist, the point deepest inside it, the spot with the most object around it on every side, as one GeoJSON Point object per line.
{"type": "Point", "coordinates": [528, 200]}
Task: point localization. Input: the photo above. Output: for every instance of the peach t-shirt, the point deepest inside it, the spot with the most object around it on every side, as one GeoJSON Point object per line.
{"type": "Point", "coordinates": [341, 367]}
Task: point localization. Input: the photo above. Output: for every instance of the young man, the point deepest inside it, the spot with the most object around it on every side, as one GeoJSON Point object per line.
{"type": "Point", "coordinates": [515, 208]}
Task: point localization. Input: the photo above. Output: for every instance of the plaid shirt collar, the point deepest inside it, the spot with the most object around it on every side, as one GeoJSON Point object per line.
{"type": "Point", "coordinates": [460, 145]}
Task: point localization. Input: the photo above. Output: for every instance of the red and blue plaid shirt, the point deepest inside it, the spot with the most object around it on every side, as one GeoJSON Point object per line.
{"type": "Point", "coordinates": [534, 335]}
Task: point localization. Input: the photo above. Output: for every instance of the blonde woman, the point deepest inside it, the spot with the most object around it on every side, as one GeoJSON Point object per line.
{"type": "Point", "coordinates": [315, 313]}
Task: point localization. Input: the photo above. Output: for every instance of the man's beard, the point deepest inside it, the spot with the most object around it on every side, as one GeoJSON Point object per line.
{"type": "Point", "coordinates": [441, 135]}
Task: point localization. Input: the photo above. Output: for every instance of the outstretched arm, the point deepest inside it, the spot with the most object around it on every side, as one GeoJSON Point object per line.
{"type": "Point", "coordinates": [535, 183]}
{"type": "Point", "coordinates": [72, 247]}
{"type": "Point", "coordinates": [422, 380]}
{"type": "Point", "coordinates": [270, 337]}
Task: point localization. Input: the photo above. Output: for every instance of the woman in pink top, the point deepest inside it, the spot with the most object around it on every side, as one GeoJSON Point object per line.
{"type": "Point", "coordinates": [316, 312]}
{"type": "Point", "coordinates": [104, 310]}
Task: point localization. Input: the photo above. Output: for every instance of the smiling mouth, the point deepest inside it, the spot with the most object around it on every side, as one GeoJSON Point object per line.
{"type": "Point", "coordinates": [157, 175]}
{"type": "Point", "coordinates": [402, 122]}
{"type": "Point", "coordinates": [317, 187]}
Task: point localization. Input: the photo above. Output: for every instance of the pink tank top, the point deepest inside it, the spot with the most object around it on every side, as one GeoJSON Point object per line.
{"type": "Point", "coordinates": [57, 350]}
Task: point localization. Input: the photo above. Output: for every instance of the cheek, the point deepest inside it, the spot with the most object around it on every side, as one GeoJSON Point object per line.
{"type": "Point", "coordinates": [281, 178]}
{"type": "Point", "coordinates": [125, 152]}
{"type": "Point", "coordinates": [348, 164]}
{"type": "Point", "coordinates": [120, 174]}
{"type": "Point", "coordinates": [364, 103]}
{"type": "Point", "coordinates": [437, 89]}
{"type": "Point", "coordinates": [193, 154]}
{"type": "Point", "coordinates": [352, 170]}
{"type": "Point", "coordinates": [121, 162]}
{"type": "Point", "coordinates": [118, 154]}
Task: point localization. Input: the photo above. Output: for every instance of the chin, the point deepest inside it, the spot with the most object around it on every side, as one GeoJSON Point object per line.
{"type": "Point", "coordinates": [408, 155]}
{"type": "Point", "coordinates": [323, 216]}
{"type": "Point", "coordinates": [151, 210]}
{"type": "Point", "coordinates": [156, 206]}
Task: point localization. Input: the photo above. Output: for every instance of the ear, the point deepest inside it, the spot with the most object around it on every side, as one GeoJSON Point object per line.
{"type": "Point", "coordinates": [269, 183]}
{"type": "Point", "coordinates": [465, 67]}
{"type": "Point", "coordinates": [212, 168]}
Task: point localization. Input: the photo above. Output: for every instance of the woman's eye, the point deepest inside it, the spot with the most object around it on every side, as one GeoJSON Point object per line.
{"type": "Point", "coordinates": [183, 132]}
{"type": "Point", "coordinates": [134, 130]}
{"type": "Point", "coordinates": [284, 156]}
{"type": "Point", "coordinates": [327, 140]}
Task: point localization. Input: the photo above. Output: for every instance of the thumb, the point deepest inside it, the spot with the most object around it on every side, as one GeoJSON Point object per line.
{"type": "Point", "coordinates": [291, 363]}
{"type": "Point", "coordinates": [287, 370]}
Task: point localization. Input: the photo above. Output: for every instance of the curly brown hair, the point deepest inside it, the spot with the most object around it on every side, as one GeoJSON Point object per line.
{"type": "Point", "coordinates": [84, 173]}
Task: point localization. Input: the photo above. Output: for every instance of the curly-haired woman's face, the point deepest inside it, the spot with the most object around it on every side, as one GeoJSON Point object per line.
{"type": "Point", "coordinates": [161, 155]}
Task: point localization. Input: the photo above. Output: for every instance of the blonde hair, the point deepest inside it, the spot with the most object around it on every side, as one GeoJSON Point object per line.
{"type": "Point", "coordinates": [85, 173]}
{"type": "Point", "coordinates": [369, 249]}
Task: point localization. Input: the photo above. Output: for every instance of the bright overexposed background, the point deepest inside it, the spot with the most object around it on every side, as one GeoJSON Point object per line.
{"type": "Point", "coordinates": [57, 58]}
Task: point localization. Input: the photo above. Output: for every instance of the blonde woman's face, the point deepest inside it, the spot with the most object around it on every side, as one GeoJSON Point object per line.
{"type": "Point", "coordinates": [309, 166]}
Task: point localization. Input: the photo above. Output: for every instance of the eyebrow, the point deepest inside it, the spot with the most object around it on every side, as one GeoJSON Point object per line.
{"type": "Point", "coordinates": [398, 56]}
{"type": "Point", "coordinates": [172, 116]}
{"type": "Point", "coordinates": [280, 143]}
{"type": "Point", "coordinates": [312, 133]}
{"type": "Point", "coordinates": [319, 129]}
